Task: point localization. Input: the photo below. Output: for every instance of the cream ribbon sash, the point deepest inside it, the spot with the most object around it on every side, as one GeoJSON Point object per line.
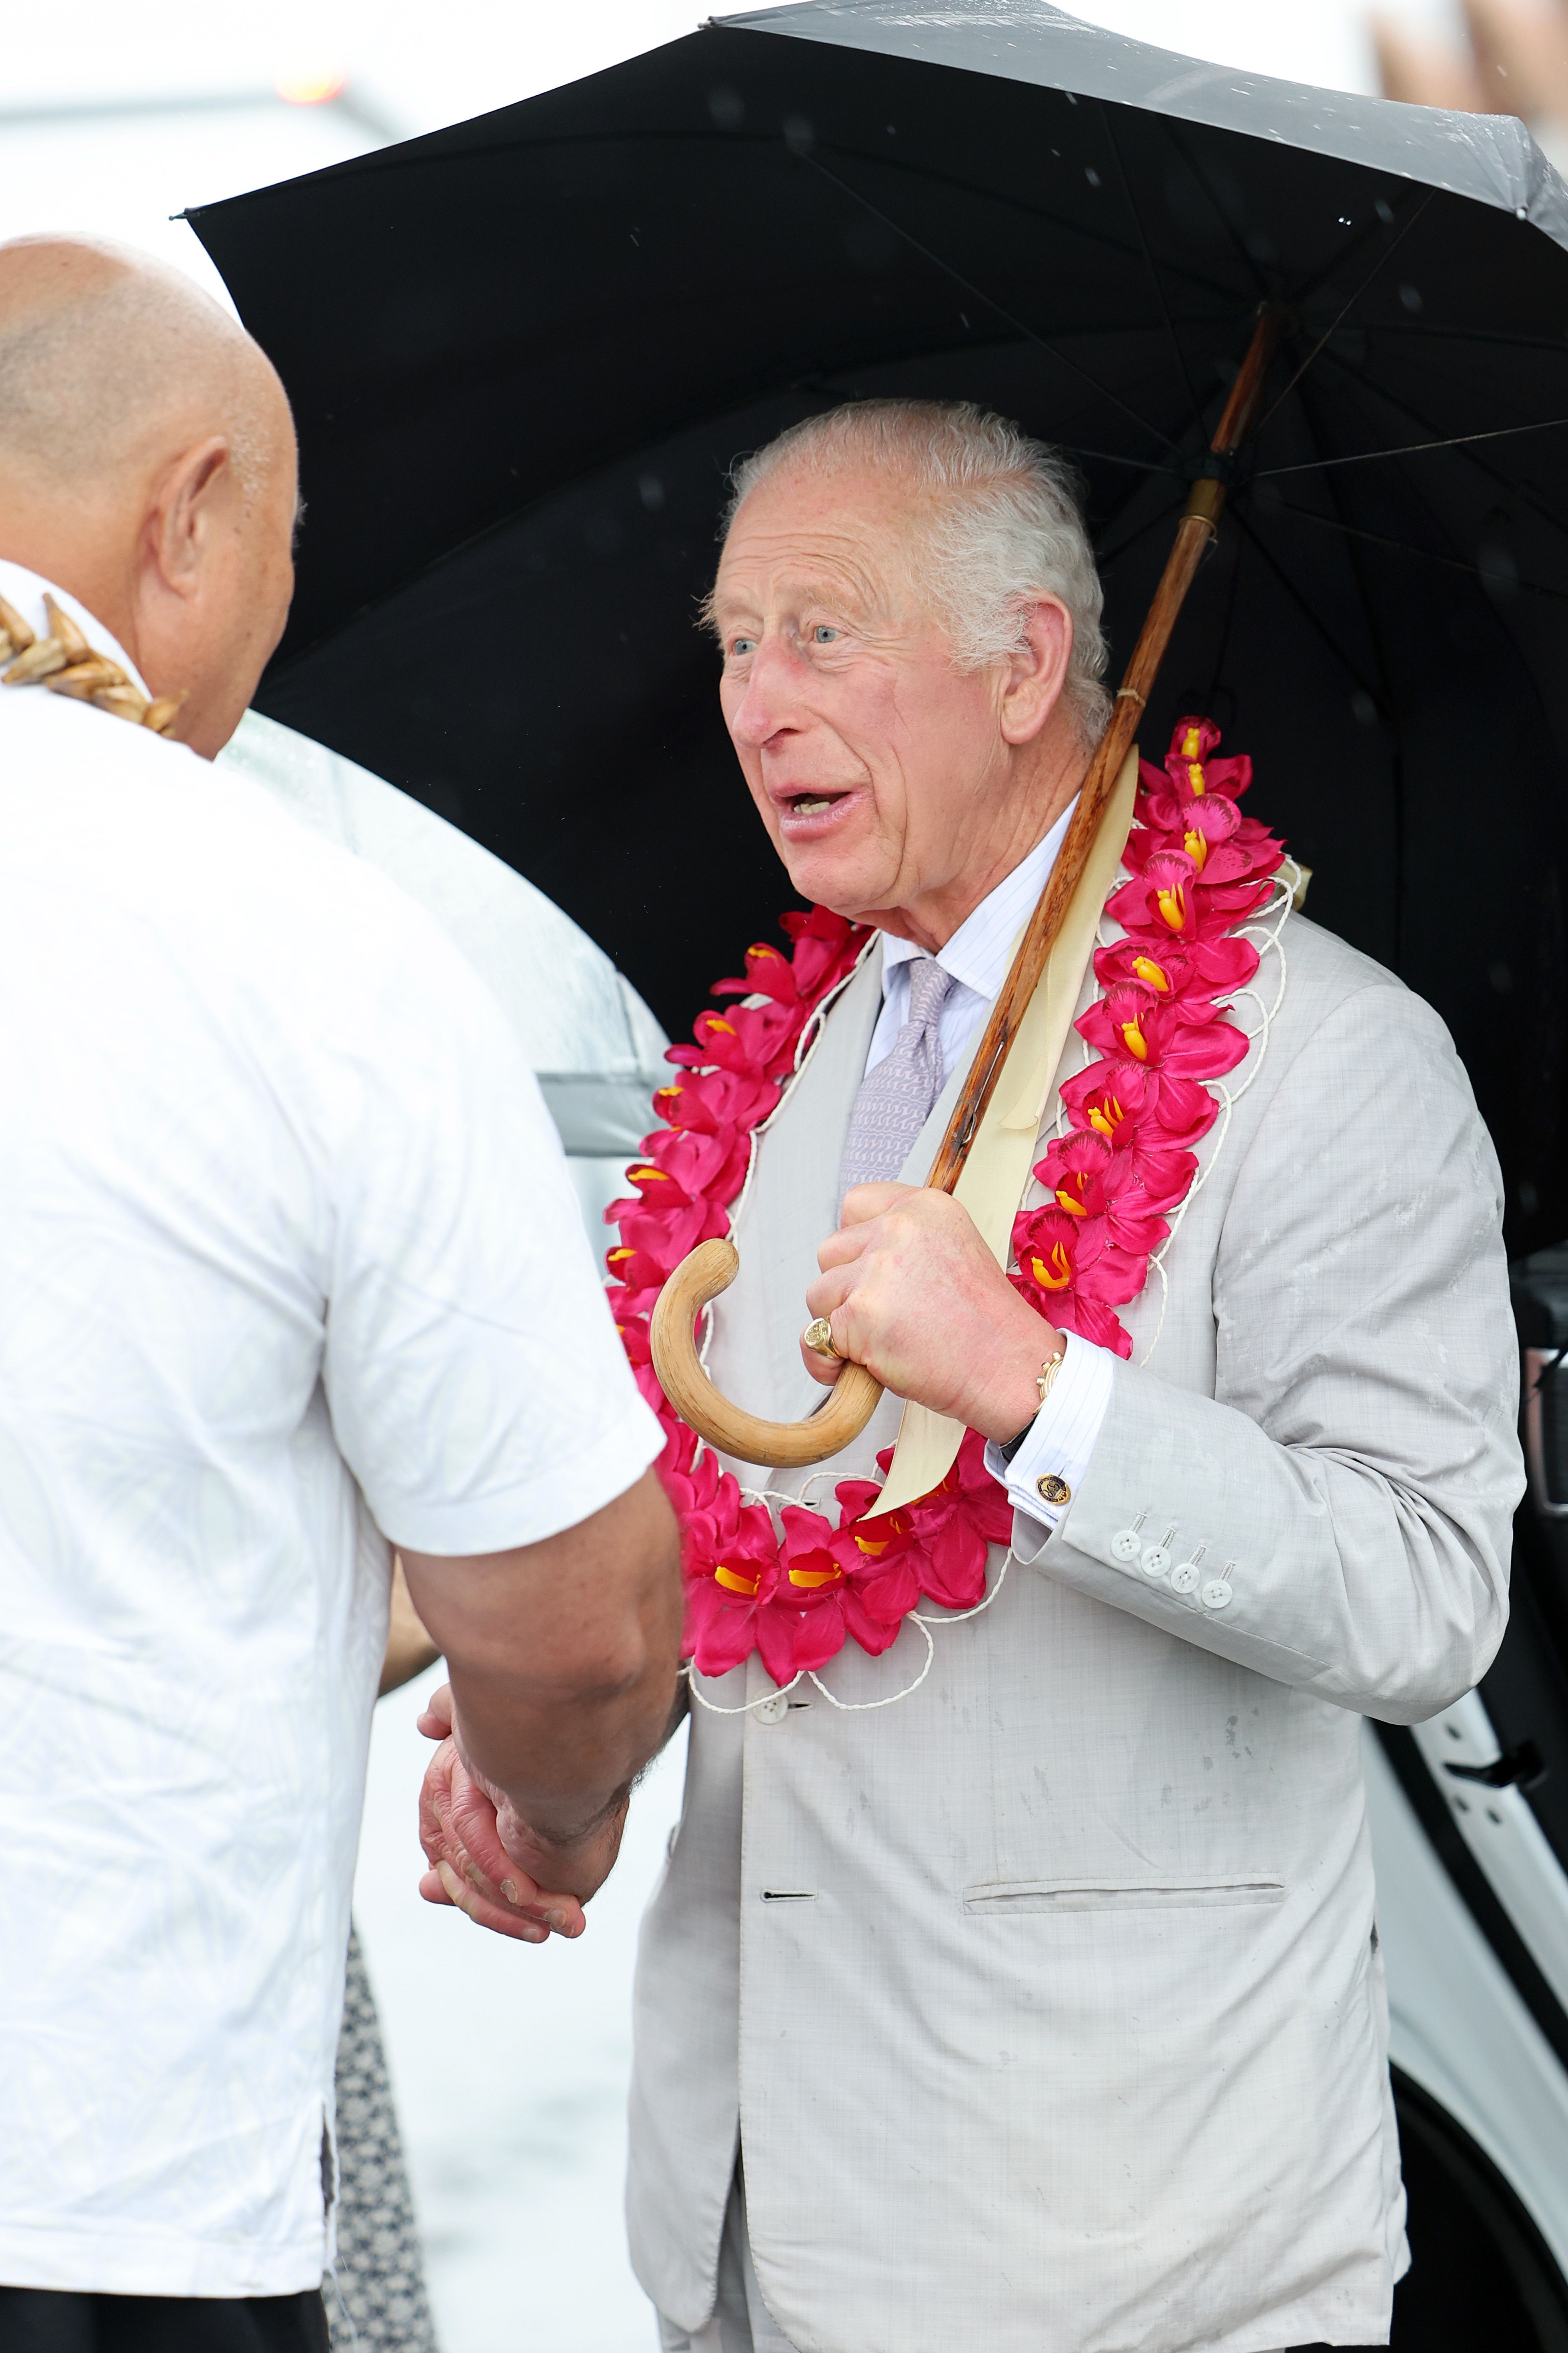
{"type": "Point", "coordinates": [995, 1175]}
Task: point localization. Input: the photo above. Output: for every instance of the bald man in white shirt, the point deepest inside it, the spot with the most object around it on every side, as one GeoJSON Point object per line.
{"type": "Point", "coordinates": [294, 1269]}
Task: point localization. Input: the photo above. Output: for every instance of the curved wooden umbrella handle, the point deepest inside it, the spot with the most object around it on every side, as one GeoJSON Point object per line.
{"type": "Point", "coordinates": [783, 1445]}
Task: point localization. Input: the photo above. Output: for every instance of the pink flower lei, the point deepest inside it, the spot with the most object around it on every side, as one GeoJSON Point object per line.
{"type": "Point", "coordinates": [1200, 871]}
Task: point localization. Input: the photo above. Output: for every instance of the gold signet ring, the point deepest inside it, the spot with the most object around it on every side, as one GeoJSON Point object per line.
{"type": "Point", "coordinates": [818, 1335]}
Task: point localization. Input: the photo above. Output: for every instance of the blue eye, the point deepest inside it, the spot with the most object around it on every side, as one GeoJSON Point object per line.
{"type": "Point", "coordinates": [742, 645]}
{"type": "Point", "coordinates": [823, 636]}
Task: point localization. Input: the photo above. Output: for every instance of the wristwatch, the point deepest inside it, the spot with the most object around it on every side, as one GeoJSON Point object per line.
{"type": "Point", "coordinates": [1044, 1381]}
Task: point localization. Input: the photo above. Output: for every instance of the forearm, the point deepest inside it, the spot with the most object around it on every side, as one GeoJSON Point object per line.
{"type": "Point", "coordinates": [565, 1759]}
{"type": "Point", "coordinates": [562, 1659]}
{"type": "Point", "coordinates": [1309, 1564]}
{"type": "Point", "coordinates": [409, 1650]}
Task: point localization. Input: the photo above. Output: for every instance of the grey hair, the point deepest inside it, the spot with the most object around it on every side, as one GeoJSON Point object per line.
{"type": "Point", "coordinates": [1003, 526]}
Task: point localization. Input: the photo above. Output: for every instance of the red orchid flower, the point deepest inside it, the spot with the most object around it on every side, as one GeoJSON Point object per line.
{"type": "Point", "coordinates": [661, 1238]}
{"type": "Point", "coordinates": [1085, 1176]}
{"type": "Point", "coordinates": [756, 1041]}
{"type": "Point", "coordinates": [769, 972]}
{"type": "Point", "coordinates": [937, 1545]}
{"type": "Point", "coordinates": [712, 1100]}
{"type": "Point", "coordinates": [1139, 1109]}
{"type": "Point", "coordinates": [825, 948]}
{"type": "Point", "coordinates": [957, 1522]}
{"type": "Point", "coordinates": [683, 1167]}
{"type": "Point", "coordinates": [1168, 903]}
{"type": "Point", "coordinates": [1131, 1025]}
{"type": "Point", "coordinates": [880, 1551]}
{"type": "Point", "coordinates": [1191, 773]}
{"type": "Point", "coordinates": [1070, 1270]}
{"type": "Point", "coordinates": [1192, 978]}
{"type": "Point", "coordinates": [850, 1584]}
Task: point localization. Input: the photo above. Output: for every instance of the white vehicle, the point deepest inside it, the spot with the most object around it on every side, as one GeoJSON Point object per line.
{"type": "Point", "coordinates": [591, 1041]}
{"type": "Point", "coordinates": [1469, 1821]}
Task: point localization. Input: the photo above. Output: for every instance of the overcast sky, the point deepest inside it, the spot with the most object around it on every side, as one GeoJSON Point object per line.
{"type": "Point", "coordinates": [187, 88]}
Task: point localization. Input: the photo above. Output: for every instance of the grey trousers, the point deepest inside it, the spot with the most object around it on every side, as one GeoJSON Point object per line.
{"type": "Point", "coordinates": [742, 2322]}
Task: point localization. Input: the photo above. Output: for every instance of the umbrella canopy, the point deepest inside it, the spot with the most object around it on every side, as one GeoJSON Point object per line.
{"type": "Point", "coordinates": [522, 352]}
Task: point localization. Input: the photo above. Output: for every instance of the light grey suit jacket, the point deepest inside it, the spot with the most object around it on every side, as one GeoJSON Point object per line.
{"type": "Point", "coordinates": [1047, 2001]}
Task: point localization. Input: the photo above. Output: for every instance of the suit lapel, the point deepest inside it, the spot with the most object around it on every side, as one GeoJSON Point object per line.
{"type": "Point", "coordinates": [792, 1206]}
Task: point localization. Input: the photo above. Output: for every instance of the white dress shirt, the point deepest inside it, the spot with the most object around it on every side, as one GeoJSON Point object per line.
{"type": "Point", "coordinates": [292, 1266]}
{"type": "Point", "coordinates": [1061, 1439]}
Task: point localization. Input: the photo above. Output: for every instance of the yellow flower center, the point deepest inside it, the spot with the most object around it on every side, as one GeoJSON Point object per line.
{"type": "Point", "coordinates": [1152, 974]}
{"type": "Point", "coordinates": [734, 1581]}
{"type": "Point", "coordinates": [1060, 1274]}
{"type": "Point", "coordinates": [1136, 1042]}
{"type": "Point", "coordinates": [1173, 905]}
{"type": "Point", "coordinates": [1197, 848]}
{"type": "Point", "coordinates": [1196, 772]}
{"type": "Point", "coordinates": [814, 1576]}
{"type": "Point", "coordinates": [1071, 1202]}
{"type": "Point", "coordinates": [1107, 1117]}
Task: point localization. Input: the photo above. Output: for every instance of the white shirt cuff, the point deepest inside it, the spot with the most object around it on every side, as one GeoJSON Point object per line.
{"type": "Point", "coordinates": [1046, 1472]}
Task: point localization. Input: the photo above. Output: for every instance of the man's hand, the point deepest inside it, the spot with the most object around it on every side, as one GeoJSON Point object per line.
{"type": "Point", "coordinates": [563, 1658]}
{"type": "Point", "coordinates": [485, 1860]}
{"type": "Point", "coordinates": [913, 1294]}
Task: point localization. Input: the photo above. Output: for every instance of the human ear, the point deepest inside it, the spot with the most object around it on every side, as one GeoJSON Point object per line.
{"type": "Point", "coordinates": [1036, 672]}
{"type": "Point", "coordinates": [186, 516]}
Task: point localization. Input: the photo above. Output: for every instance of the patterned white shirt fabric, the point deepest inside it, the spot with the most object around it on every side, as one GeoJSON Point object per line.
{"type": "Point", "coordinates": [292, 1266]}
{"type": "Point", "coordinates": [1061, 1440]}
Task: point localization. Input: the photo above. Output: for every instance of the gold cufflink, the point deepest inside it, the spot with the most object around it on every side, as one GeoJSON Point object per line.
{"type": "Point", "coordinates": [1053, 1490]}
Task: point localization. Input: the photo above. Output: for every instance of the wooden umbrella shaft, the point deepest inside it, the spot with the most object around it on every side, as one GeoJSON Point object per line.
{"type": "Point", "coordinates": [1193, 533]}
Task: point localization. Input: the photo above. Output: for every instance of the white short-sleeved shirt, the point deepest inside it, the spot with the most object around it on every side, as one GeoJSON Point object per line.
{"type": "Point", "coordinates": [289, 1256]}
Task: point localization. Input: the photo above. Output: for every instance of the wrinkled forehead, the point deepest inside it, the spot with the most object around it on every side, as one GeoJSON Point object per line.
{"type": "Point", "coordinates": [846, 535]}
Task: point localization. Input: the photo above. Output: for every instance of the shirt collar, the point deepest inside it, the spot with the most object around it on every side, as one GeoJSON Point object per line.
{"type": "Point", "coordinates": [980, 950]}
{"type": "Point", "coordinates": [24, 590]}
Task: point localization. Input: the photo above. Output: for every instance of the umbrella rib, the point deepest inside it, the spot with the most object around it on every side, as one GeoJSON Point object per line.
{"type": "Point", "coordinates": [1238, 243]}
{"type": "Point", "coordinates": [1350, 304]}
{"type": "Point", "coordinates": [991, 301]}
{"type": "Point", "coordinates": [1379, 642]}
{"type": "Point", "coordinates": [1313, 622]}
{"type": "Point", "coordinates": [1224, 646]}
{"type": "Point", "coordinates": [1107, 556]}
{"type": "Point", "coordinates": [1154, 278]}
{"type": "Point", "coordinates": [1409, 449]}
{"type": "Point", "coordinates": [1518, 489]}
{"type": "Point", "coordinates": [1422, 554]}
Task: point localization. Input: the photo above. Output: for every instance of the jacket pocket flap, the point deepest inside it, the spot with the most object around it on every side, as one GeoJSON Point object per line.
{"type": "Point", "coordinates": [1002, 1896]}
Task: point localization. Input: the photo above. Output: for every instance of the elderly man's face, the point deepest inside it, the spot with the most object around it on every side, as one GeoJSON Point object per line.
{"type": "Point", "coordinates": [881, 771]}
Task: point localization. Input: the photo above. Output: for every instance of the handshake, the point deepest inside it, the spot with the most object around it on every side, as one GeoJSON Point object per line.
{"type": "Point", "coordinates": [484, 1858]}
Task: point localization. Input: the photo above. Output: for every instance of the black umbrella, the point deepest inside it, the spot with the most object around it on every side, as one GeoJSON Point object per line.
{"type": "Point", "coordinates": [522, 352]}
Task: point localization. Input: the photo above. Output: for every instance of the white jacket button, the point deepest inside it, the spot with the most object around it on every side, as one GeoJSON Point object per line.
{"type": "Point", "coordinates": [1183, 1579]}
{"type": "Point", "coordinates": [1215, 1594]}
{"type": "Point", "coordinates": [1127, 1546]}
{"type": "Point", "coordinates": [772, 1709]}
{"type": "Point", "coordinates": [1156, 1561]}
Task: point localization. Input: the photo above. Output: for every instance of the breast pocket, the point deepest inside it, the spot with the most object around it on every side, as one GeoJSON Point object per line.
{"type": "Point", "coordinates": [1002, 1898]}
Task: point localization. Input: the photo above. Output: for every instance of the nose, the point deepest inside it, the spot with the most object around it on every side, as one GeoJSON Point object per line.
{"type": "Point", "coordinates": [769, 706]}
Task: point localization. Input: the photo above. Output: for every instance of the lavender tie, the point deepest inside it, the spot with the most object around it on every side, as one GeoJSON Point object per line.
{"type": "Point", "coordinates": [895, 1098]}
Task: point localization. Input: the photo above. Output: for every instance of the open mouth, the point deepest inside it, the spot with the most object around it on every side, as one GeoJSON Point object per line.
{"type": "Point", "coordinates": [812, 804]}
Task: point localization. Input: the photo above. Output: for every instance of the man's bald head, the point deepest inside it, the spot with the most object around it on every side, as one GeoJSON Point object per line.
{"type": "Point", "coordinates": [147, 465]}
